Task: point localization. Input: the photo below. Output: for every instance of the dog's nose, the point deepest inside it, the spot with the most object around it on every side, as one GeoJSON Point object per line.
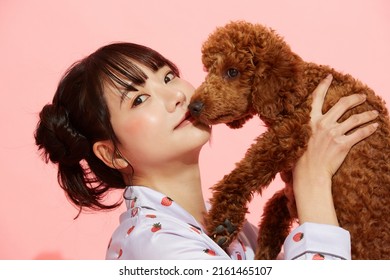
{"type": "Point", "coordinates": [196, 108]}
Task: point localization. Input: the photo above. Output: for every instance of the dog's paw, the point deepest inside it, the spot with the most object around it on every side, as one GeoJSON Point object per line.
{"type": "Point", "coordinates": [224, 233]}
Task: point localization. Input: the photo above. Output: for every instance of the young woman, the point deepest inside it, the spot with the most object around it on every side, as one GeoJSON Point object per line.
{"type": "Point", "coordinates": [119, 119]}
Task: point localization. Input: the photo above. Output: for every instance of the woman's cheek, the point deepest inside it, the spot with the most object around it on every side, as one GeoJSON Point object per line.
{"type": "Point", "coordinates": [141, 129]}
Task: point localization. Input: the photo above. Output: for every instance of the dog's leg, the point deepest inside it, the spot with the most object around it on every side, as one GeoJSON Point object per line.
{"type": "Point", "coordinates": [274, 227]}
{"type": "Point", "coordinates": [273, 152]}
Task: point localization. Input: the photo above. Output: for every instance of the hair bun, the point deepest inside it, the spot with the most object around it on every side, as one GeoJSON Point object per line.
{"type": "Point", "coordinates": [61, 143]}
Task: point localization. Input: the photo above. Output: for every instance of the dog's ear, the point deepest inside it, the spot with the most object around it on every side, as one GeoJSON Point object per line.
{"type": "Point", "coordinates": [266, 99]}
{"type": "Point", "coordinates": [276, 86]}
{"type": "Point", "coordinates": [274, 99]}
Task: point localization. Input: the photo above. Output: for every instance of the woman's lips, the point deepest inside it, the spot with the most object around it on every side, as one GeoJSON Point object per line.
{"type": "Point", "coordinates": [187, 119]}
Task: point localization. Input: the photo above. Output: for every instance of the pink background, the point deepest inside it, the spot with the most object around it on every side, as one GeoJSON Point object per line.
{"type": "Point", "coordinates": [40, 39]}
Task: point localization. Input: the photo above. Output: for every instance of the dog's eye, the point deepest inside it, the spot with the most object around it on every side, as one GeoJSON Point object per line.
{"type": "Point", "coordinates": [232, 73]}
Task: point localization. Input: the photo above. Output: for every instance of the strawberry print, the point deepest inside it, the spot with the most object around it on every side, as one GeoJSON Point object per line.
{"type": "Point", "coordinates": [130, 230]}
{"type": "Point", "coordinates": [210, 252]}
{"type": "Point", "coordinates": [151, 216]}
{"type": "Point", "coordinates": [156, 227]}
{"type": "Point", "coordinates": [133, 201]}
{"type": "Point", "coordinates": [318, 257]}
{"type": "Point", "coordinates": [149, 224]}
{"type": "Point", "coordinates": [120, 253]}
{"type": "Point", "coordinates": [166, 201]}
{"type": "Point", "coordinates": [134, 212]}
{"type": "Point", "coordinates": [298, 237]}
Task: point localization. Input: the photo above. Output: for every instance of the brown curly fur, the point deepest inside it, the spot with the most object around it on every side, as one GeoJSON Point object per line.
{"type": "Point", "coordinates": [276, 84]}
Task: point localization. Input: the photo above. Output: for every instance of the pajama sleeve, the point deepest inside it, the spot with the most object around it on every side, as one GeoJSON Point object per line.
{"type": "Point", "coordinates": [311, 241]}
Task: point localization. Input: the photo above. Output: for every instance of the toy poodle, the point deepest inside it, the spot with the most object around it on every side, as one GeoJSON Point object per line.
{"type": "Point", "coordinates": [252, 71]}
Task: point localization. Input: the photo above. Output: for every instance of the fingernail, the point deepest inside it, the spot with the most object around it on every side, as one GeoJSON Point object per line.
{"type": "Point", "coordinates": [375, 112]}
{"type": "Point", "coordinates": [330, 76]}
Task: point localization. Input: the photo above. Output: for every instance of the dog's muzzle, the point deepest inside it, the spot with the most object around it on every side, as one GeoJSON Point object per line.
{"type": "Point", "coordinates": [196, 108]}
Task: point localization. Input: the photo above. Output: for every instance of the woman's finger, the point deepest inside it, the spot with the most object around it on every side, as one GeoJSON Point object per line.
{"type": "Point", "coordinates": [319, 95]}
{"type": "Point", "coordinates": [356, 121]}
{"type": "Point", "coordinates": [360, 134]}
{"type": "Point", "coordinates": [343, 105]}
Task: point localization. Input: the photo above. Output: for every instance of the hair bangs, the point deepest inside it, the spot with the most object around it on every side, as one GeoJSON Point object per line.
{"type": "Point", "coordinates": [119, 64]}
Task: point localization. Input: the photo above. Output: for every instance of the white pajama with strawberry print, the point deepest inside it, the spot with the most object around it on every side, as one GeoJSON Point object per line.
{"type": "Point", "coordinates": [155, 227]}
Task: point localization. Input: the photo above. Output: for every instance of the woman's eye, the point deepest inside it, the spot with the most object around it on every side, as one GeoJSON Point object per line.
{"type": "Point", "coordinates": [139, 100]}
{"type": "Point", "coordinates": [169, 77]}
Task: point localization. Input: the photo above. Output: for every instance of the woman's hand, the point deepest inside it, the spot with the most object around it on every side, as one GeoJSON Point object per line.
{"type": "Point", "coordinates": [327, 148]}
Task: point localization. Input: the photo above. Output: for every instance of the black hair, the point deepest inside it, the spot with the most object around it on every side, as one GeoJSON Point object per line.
{"type": "Point", "coordinates": [78, 117]}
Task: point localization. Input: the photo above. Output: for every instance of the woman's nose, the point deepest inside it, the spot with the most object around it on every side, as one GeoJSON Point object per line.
{"type": "Point", "coordinates": [175, 98]}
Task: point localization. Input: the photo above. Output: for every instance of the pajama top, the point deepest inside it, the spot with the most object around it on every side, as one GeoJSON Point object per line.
{"type": "Point", "coordinates": [155, 227]}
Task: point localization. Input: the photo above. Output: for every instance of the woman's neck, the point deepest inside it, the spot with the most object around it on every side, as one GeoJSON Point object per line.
{"type": "Point", "coordinates": [181, 182]}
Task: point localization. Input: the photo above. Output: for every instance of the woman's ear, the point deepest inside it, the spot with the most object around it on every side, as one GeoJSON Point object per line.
{"type": "Point", "coordinates": [105, 151]}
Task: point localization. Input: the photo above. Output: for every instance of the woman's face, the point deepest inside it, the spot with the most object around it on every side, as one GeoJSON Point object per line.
{"type": "Point", "coordinates": [153, 124]}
